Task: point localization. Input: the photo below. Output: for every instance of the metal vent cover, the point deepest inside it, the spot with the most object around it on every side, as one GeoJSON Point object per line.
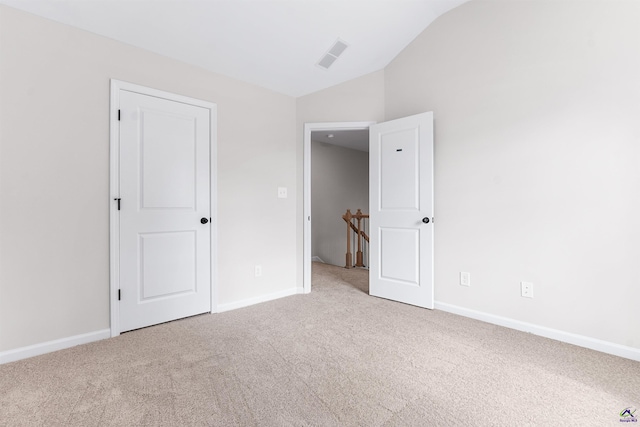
{"type": "Point", "coordinates": [332, 54]}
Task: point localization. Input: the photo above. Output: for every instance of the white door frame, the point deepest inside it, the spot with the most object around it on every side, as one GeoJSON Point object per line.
{"type": "Point", "coordinates": [114, 191]}
{"type": "Point", "coordinates": [308, 128]}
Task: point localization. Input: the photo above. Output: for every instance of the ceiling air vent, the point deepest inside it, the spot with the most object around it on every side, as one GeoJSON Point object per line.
{"type": "Point", "coordinates": [329, 58]}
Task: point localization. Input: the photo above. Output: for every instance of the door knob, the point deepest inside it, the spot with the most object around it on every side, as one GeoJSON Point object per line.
{"type": "Point", "coordinates": [425, 220]}
{"type": "Point", "coordinates": [204, 220]}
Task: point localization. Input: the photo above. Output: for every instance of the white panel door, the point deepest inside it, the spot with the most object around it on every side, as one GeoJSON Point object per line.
{"type": "Point", "coordinates": [401, 210]}
{"type": "Point", "coordinates": [165, 258]}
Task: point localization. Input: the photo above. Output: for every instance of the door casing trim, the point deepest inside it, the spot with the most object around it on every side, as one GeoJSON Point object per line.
{"type": "Point", "coordinates": [114, 191]}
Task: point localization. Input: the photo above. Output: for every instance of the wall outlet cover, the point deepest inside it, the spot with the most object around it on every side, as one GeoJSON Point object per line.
{"type": "Point", "coordinates": [526, 289]}
{"type": "Point", "coordinates": [465, 278]}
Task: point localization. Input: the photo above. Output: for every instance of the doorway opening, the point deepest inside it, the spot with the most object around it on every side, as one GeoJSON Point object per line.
{"type": "Point", "coordinates": [400, 207]}
{"type": "Point", "coordinates": [336, 163]}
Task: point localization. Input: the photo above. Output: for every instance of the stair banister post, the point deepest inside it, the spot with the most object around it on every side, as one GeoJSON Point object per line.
{"type": "Point", "coordinates": [349, 259]}
{"type": "Point", "coordinates": [359, 253]}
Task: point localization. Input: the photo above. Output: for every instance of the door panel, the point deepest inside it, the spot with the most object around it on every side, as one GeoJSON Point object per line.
{"type": "Point", "coordinates": [399, 177]}
{"type": "Point", "coordinates": [167, 264]}
{"type": "Point", "coordinates": [401, 195]}
{"type": "Point", "coordinates": [165, 252]}
{"type": "Point", "coordinates": [399, 268]}
{"type": "Point", "coordinates": [167, 184]}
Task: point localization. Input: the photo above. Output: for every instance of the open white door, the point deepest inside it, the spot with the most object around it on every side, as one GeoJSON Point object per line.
{"type": "Point", "coordinates": [401, 210]}
{"type": "Point", "coordinates": [164, 211]}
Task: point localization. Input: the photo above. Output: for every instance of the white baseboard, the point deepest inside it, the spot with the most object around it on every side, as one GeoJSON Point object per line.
{"type": "Point", "coordinates": [317, 259]}
{"type": "Point", "coordinates": [60, 344]}
{"type": "Point", "coordinates": [50, 346]}
{"type": "Point", "coordinates": [256, 300]}
{"type": "Point", "coordinates": [555, 334]}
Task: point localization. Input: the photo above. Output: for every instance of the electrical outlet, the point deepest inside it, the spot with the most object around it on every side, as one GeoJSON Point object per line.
{"type": "Point", "coordinates": [258, 270]}
{"type": "Point", "coordinates": [526, 288]}
{"type": "Point", "coordinates": [465, 279]}
{"type": "Point", "coordinates": [282, 192]}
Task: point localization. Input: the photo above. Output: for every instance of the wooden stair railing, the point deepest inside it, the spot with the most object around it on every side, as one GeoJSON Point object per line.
{"type": "Point", "coordinates": [348, 217]}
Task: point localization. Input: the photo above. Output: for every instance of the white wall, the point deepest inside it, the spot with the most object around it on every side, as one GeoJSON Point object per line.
{"type": "Point", "coordinates": [537, 131]}
{"type": "Point", "coordinates": [339, 181]}
{"type": "Point", "coordinates": [54, 176]}
{"type": "Point", "coordinates": [358, 100]}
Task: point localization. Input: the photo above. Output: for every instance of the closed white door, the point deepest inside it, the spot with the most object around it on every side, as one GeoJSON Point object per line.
{"type": "Point", "coordinates": [401, 210]}
{"type": "Point", "coordinates": [165, 252]}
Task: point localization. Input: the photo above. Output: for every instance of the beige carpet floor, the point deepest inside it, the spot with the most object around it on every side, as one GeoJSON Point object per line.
{"type": "Point", "coordinates": [335, 357]}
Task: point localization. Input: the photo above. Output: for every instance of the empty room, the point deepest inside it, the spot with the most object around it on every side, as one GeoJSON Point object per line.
{"type": "Point", "coordinates": [166, 258]}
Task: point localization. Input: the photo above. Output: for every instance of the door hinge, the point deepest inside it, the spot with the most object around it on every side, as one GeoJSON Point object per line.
{"type": "Point", "coordinates": [118, 115]}
{"type": "Point", "coordinates": [118, 200]}
{"type": "Point", "coordinates": [118, 294]}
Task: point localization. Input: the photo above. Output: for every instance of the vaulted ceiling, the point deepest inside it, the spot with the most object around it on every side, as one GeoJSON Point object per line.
{"type": "Point", "coordinates": [275, 44]}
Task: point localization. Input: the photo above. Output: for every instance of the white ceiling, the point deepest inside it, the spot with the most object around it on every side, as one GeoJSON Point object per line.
{"type": "Point", "coordinates": [271, 43]}
{"type": "Point", "coordinates": [356, 139]}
